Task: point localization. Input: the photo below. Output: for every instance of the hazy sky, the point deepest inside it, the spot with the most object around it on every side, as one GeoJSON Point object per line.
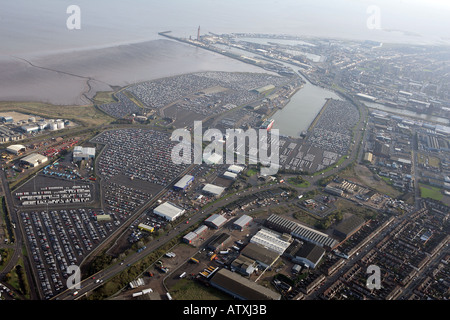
{"type": "Point", "coordinates": [40, 25]}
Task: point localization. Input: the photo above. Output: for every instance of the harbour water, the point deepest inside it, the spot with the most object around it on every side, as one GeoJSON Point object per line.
{"type": "Point", "coordinates": [301, 110]}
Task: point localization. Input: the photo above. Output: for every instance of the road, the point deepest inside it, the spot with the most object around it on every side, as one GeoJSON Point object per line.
{"type": "Point", "coordinates": [19, 241]}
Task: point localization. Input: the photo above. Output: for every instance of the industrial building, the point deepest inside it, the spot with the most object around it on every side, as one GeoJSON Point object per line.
{"type": "Point", "coordinates": [83, 153]}
{"type": "Point", "coordinates": [304, 253]}
{"type": "Point", "coordinates": [242, 222]}
{"type": "Point", "coordinates": [235, 168]}
{"type": "Point", "coordinates": [213, 159]}
{"type": "Point", "coordinates": [216, 221]}
{"type": "Point", "coordinates": [241, 288]}
{"type": "Point", "coordinates": [368, 156]}
{"type": "Point", "coordinates": [243, 265]}
{"type": "Point", "coordinates": [213, 190]}
{"type": "Point", "coordinates": [333, 190]}
{"type": "Point", "coordinates": [298, 231]}
{"type": "Point", "coordinates": [6, 134]}
{"type": "Point", "coordinates": [348, 226]}
{"type": "Point", "coordinates": [7, 119]}
{"type": "Point", "coordinates": [103, 217]}
{"type": "Point", "coordinates": [169, 211]}
{"type": "Point", "coordinates": [184, 182]}
{"type": "Point", "coordinates": [145, 227]}
{"type": "Point", "coordinates": [29, 128]}
{"type": "Point", "coordinates": [34, 159]}
{"type": "Point", "coordinates": [263, 256]}
{"type": "Point", "coordinates": [16, 149]}
{"type": "Point", "coordinates": [271, 240]}
{"type": "Point", "coordinates": [191, 236]}
{"type": "Point", "coordinates": [229, 175]}
{"type": "Point", "coordinates": [219, 242]}
{"type": "Point", "coordinates": [264, 90]}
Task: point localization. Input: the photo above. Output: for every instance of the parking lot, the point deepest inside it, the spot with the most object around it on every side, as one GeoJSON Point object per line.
{"type": "Point", "coordinates": [60, 238]}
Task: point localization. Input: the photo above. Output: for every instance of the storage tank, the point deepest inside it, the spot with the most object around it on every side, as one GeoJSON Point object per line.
{"type": "Point", "coordinates": [53, 126]}
{"type": "Point", "coordinates": [60, 125]}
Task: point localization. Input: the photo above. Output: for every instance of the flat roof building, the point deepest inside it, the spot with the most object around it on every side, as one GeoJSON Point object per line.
{"type": "Point", "coordinates": [334, 191]}
{"type": "Point", "coordinates": [265, 89]}
{"type": "Point", "coordinates": [260, 254]}
{"type": "Point", "coordinates": [103, 217]}
{"type": "Point", "coordinates": [243, 265]}
{"type": "Point", "coordinates": [184, 182]}
{"type": "Point", "coordinates": [214, 158]}
{"type": "Point", "coordinates": [28, 128]}
{"type": "Point", "coordinates": [368, 156]}
{"type": "Point", "coordinates": [305, 253]}
{"type": "Point", "coordinates": [83, 153]}
{"type": "Point", "coordinates": [169, 211]}
{"type": "Point", "coordinates": [220, 242]}
{"type": "Point", "coordinates": [145, 227]}
{"type": "Point", "coordinates": [348, 226]}
{"type": "Point", "coordinates": [241, 288]}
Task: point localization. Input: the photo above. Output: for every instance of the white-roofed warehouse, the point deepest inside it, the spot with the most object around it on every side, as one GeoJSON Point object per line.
{"type": "Point", "coordinates": [34, 159]}
{"type": "Point", "coordinates": [213, 189]}
{"type": "Point", "coordinates": [271, 240]}
{"type": "Point", "coordinates": [235, 168]}
{"type": "Point", "coordinates": [169, 211]}
{"type": "Point", "coordinates": [15, 148]}
{"type": "Point", "coordinates": [242, 222]}
{"type": "Point", "coordinates": [184, 182]}
{"type": "Point", "coordinates": [216, 221]}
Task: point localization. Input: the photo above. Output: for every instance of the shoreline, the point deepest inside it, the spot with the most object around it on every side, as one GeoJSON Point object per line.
{"type": "Point", "coordinates": [74, 78]}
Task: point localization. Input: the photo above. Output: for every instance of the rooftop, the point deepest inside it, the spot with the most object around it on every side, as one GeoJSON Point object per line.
{"type": "Point", "coordinates": [241, 287]}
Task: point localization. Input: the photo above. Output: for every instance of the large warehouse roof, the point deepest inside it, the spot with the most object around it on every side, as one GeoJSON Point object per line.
{"type": "Point", "coordinates": [243, 221]}
{"type": "Point", "coordinates": [240, 287]}
{"type": "Point", "coordinates": [216, 220]}
{"type": "Point", "coordinates": [270, 240]}
{"type": "Point", "coordinates": [235, 168]}
{"type": "Point", "coordinates": [169, 211]}
{"type": "Point", "coordinates": [213, 189]}
{"type": "Point", "coordinates": [260, 254]}
{"type": "Point", "coordinates": [15, 148]}
{"type": "Point", "coordinates": [184, 182]}
{"type": "Point", "coordinates": [80, 152]}
{"type": "Point", "coordinates": [34, 159]}
{"type": "Point", "coordinates": [300, 231]}
{"type": "Point", "coordinates": [348, 226]}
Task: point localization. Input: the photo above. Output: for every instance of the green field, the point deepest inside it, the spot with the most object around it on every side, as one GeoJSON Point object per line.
{"type": "Point", "coordinates": [87, 115]}
{"type": "Point", "coordinates": [186, 289]}
{"type": "Point", "coordinates": [298, 182]}
{"type": "Point", "coordinates": [427, 191]}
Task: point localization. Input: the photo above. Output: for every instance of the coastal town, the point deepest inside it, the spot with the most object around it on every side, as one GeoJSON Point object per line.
{"type": "Point", "coordinates": [365, 187]}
